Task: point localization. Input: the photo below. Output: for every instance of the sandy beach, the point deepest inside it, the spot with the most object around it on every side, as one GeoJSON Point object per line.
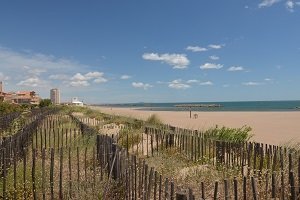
{"type": "Point", "coordinates": [267, 127]}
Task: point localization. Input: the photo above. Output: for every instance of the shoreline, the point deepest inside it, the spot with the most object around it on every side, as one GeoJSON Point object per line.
{"type": "Point", "coordinates": [267, 127]}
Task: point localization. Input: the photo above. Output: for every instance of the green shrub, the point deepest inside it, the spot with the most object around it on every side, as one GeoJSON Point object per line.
{"type": "Point", "coordinates": [235, 135]}
{"type": "Point", "coordinates": [154, 120]}
{"type": "Point", "coordinates": [134, 137]}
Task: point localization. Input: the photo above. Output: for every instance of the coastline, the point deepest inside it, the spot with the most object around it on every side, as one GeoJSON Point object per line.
{"type": "Point", "coordinates": [267, 127]}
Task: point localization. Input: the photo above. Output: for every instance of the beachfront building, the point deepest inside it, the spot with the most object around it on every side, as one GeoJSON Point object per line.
{"type": "Point", "coordinates": [19, 97]}
{"type": "Point", "coordinates": [22, 97]}
{"type": "Point", "coordinates": [55, 96]}
{"type": "Point", "coordinates": [75, 101]}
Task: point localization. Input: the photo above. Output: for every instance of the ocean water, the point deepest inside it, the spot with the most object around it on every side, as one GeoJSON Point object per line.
{"type": "Point", "coordinates": [225, 106]}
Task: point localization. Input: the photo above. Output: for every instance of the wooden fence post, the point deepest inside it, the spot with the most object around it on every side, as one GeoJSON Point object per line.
{"type": "Point", "coordinates": [292, 185]}
{"type": "Point", "coordinates": [4, 172]}
{"type": "Point", "coordinates": [181, 196]}
{"type": "Point", "coordinates": [61, 173]}
{"type": "Point", "coordinates": [43, 173]}
{"type": "Point", "coordinates": [216, 190]}
{"type": "Point", "coordinates": [254, 190]}
{"type": "Point", "coordinates": [33, 173]}
{"type": "Point", "coordinates": [52, 173]}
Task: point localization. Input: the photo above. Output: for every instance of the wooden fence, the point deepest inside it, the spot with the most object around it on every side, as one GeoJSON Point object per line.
{"type": "Point", "coordinates": [75, 161]}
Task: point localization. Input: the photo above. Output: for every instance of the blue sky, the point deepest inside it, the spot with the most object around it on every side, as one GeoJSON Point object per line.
{"type": "Point", "coordinates": [152, 51]}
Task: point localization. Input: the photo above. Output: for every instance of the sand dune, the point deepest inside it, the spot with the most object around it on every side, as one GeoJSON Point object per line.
{"type": "Point", "coordinates": [268, 127]}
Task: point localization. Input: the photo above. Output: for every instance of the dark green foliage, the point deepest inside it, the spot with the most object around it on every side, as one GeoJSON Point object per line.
{"type": "Point", "coordinates": [45, 103]}
{"type": "Point", "coordinates": [6, 108]}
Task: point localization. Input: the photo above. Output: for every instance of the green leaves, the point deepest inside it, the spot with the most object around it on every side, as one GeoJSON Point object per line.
{"type": "Point", "coordinates": [235, 135]}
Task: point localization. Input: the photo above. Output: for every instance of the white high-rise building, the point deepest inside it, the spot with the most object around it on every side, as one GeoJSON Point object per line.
{"type": "Point", "coordinates": [55, 96]}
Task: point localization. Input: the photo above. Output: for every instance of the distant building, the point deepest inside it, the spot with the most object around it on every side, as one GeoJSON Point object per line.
{"type": "Point", "coordinates": [55, 96]}
{"type": "Point", "coordinates": [76, 102]}
{"type": "Point", "coordinates": [22, 97]}
{"type": "Point", "coordinates": [19, 97]}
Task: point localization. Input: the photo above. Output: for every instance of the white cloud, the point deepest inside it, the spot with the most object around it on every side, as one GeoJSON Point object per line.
{"type": "Point", "coordinates": [79, 77]}
{"type": "Point", "coordinates": [215, 46]}
{"type": "Point", "coordinates": [252, 83]}
{"type": "Point", "coordinates": [192, 81]}
{"type": "Point", "coordinates": [58, 77]}
{"type": "Point", "coordinates": [79, 83]}
{"type": "Point", "coordinates": [235, 68]}
{"type": "Point", "coordinates": [213, 57]}
{"type": "Point", "coordinates": [100, 80]}
{"type": "Point", "coordinates": [268, 79]}
{"type": "Point", "coordinates": [82, 80]}
{"type": "Point", "coordinates": [125, 77]}
{"type": "Point", "coordinates": [34, 71]}
{"type": "Point", "coordinates": [206, 83]}
{"type": "Point", "coordinates": [267, 3]}
{"type": "Point", "coordinates": [94, 74]}
{"type": "Point", "coordinates": [211, 66]}
{"type": "Point", "coordinates": [196, 49]}
{"type": "Point", "coordinates": [290, 5]}
{"type": "Point", "coordinates": [145, 86]}
{"type": "Point", "coordinates": [177, 84]}
{"type": "Point", "coordinates": [32, 82]}
{"type": "Point", "coordinates": [178, 61]}
{"type": "Point", "coordinates": [37, 61]}
{"type": "Point", "coordinates": [3, 77]}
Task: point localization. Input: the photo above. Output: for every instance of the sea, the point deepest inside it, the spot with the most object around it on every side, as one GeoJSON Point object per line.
{"type": "Point", "coordinates": [223, 106]}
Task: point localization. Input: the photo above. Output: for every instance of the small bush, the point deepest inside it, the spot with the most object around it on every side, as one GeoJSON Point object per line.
{"type": "Point", "coordinates": [154, 120]}
{"type": "Point", "coordinates": [235, 135]}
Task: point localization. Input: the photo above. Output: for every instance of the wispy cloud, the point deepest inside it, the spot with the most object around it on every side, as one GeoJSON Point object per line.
{"type": "Point", "coordinates": [235, 68]}
{"type": "Point", "coordinates": [145, 86]}
{"type": "Point", "coordinates": [206, 83]}
{"type": "Point", "coordinates": [100, 80]}
{"type": "Point", "coordinates": [79, 83]}
{"type": "Point", "coordinates": [196, 48]}
{"type": "Point", "coordinates": [178, 84]}
{"type": "Point", "coordinates": [192, 81]}
{"type": "Point", "coordinates": [3, 77]}
{"type": "Point", "coordinates": [36, 62]}
{"type": "Point", "coordinates": [290, 5]}
{"type": "Point", "coordinates": [252, 83]}
{"type": "Point", "coordinates": [178, 61]}
{"type": "Point", "coordinates": [125, 77]}
{"type": "Point", "coordinates": [211, 66]}
{"type": "Point", "coordinates": [216, 46]}
{"type": "Point", "coordinates": [268, 79]}
{"type": "Point", "coordinates": [267, 3]}
{"type": "Point", "coordinates": [59, 77]}
{"type": "Point", "coordinates": [29, 69]}
{"type": "Point", "coordinates": [33, 82]}
{"type": "Point", "coordinates": [213, 57]}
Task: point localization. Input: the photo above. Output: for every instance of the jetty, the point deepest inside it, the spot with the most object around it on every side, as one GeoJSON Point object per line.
{"type": "Point", "coordinates": [198, 105]}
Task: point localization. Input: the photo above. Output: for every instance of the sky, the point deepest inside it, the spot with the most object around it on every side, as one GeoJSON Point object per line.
{"type": "Point", "coordinates": [152, 51]}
